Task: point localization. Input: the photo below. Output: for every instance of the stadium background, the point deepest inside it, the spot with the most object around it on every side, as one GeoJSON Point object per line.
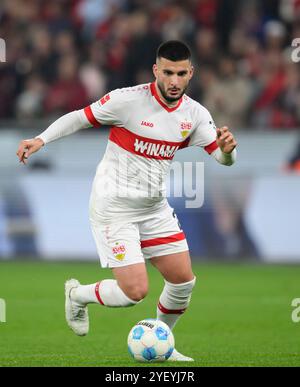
{"type": "Point", "coordinates": [62, 55]}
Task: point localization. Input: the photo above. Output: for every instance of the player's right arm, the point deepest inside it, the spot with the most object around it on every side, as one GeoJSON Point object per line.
{"type": "Point", "coordinates": [106, 111]}
{"type": "Point", "coordinates": [63, 126]}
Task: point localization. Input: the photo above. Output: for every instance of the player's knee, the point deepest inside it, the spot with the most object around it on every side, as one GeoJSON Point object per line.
{"type": "Point", "coordinates": [137, 292]}
{"type": "Point", "coordinates": [185, 278]}
{"type": "Point", "coordinates": [182, 278]}
{"type": "Point", "coordinates": [182, 289]}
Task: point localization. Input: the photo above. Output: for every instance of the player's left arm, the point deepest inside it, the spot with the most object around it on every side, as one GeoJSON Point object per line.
{"type": "Point", "coordinates": [218, 142]}
{"type": "Point", "coordinates": [226, 152]}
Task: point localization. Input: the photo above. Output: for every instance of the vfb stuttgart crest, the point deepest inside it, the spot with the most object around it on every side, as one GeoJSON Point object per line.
{"type": "Point", "coordinates": [119, 251]}
{"type": "Point", "coordinates": [185, 128]}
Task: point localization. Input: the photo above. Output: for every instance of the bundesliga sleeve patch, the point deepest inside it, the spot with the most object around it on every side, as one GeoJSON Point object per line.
{"type": "Point", "coordinates": [212, 123]}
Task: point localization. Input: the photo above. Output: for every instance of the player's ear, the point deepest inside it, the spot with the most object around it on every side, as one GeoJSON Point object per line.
{"type": "Point", "coordinates": [191, 71]}
{"type": "Point", "coordinates": [155, 69]}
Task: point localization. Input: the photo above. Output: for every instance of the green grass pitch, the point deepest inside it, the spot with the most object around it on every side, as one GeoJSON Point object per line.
{"type": "Point", "coordinates": [240, 315]}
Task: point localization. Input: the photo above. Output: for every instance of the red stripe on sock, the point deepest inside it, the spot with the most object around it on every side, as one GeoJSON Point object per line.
{"type": "Point", "coordinates": [170, 311]}
{"type": "Point", "coordinates": [97, 293]}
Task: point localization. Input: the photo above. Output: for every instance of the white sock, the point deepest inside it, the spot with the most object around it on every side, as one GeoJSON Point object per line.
{"type": "Point", "coordinates": [85, 294]}
{"type": "Point", "coordinates": [106, 292]}
{"type": "Point", "coordinates": [173, 301]}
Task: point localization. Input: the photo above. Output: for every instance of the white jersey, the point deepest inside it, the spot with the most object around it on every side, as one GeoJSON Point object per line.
{"type": "Point", "coordinates": [145, 135]}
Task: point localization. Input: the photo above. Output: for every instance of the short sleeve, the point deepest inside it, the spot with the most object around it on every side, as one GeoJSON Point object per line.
{"type": "Point", "coordinates": [204, 135]}
{"type": "Point", "coordinates": [108, 110]}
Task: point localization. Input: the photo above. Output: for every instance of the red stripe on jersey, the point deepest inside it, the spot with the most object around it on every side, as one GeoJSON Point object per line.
{"type": "Point", "coordinates": [144, 146]}
{"type": "Point", "coordinates": [163, 240]}
{"type": "Point", "coordinates": [90, 116]}
{"type": "Point", "coordinates": [169, 311]}
{"type": "Point", "coordinates": [211, 147]}
{"type": "Point", "coordinates": [165, 106]}
{"type": "Point", "coordinates": [97, 293]}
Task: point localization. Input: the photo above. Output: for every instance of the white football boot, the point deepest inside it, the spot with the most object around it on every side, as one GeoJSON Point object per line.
{"type": "Point", "coordinates": [76, 314]}
{"type": "Point", "coordinates": [177, 356]}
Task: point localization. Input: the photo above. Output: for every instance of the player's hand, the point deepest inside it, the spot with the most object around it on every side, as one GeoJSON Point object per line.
{"type": "Point", "coordinates": [225, 140]}
{"type": "Point", "coordinates": [27, 147]}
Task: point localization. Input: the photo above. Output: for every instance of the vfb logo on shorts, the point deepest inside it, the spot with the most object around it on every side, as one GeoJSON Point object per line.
{"type": "Point", "coordinates": [2, 311]}
{"type": "Point", "coordinates": [119, 251]}
{"type": "Point", "coordinates": [2, 50]}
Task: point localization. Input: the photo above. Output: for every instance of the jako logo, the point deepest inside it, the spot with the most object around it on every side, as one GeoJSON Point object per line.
{"type": "Point", "coordinates": [144, 123]}
{"type": "Point", "coordinates": [2, 50]}
{"type": "Point", "coordinates": [296, 53]}
{"type": "Point", "coordinates": [296, 312]}
{"type": "Point", "coordinates": [2, 310]}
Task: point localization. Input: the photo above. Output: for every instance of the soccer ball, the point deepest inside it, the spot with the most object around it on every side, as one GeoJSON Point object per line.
{"type": "Point", "coordinates": [150, 340]}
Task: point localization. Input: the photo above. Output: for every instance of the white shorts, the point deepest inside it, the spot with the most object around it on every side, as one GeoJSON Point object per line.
{"type": "Point", "coordinates": [123, 244]}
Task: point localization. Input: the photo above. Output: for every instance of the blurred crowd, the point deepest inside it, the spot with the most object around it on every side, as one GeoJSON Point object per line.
{"type": "Point", "coordinates": [63, 54]}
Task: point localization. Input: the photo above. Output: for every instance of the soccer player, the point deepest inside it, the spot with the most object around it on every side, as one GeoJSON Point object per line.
{"type": "Point", "coordinates": [130, 217]}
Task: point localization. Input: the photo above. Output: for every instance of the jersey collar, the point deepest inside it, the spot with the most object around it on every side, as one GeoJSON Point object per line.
{"type": "Point", "coordinates": [165, 106]}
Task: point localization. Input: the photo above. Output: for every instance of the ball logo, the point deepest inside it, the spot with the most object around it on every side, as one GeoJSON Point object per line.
{"type": "Point", "coordinates": [119, 251]}
{"type": "Point", "coordinates": [146, 323]}
{"type": "Point", "coordinates": [185, 128]}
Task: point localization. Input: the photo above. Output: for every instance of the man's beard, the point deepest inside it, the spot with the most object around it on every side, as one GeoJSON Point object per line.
{"type": "Point", "coordinates": [166, 97]}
